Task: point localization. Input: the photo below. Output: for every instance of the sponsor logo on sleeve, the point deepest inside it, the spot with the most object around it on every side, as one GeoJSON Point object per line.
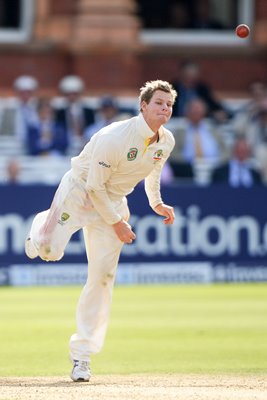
{"type": "Point", "coordinates": [104, 164]}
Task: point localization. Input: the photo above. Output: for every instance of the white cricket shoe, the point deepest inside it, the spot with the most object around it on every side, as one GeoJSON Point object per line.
{"type": "Point", "coordinates": [80, 371]}
{"type": "Point", "coordinates": [30, 249]}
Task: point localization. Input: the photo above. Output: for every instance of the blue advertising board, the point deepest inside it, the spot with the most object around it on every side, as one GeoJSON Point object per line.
{"type": "Point", "coordinates": [217, 226]}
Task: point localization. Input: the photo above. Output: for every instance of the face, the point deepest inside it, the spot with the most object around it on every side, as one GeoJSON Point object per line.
{"type": "Point", "coordinates": [196, 111]}
{"type": "Point", "coordinates": [241, 150]}
{"type": "Point", "coordinates": [72, 97]}
{"type": "Point", "coordinates": [159, 109]}
{"type": "Point", "coordinates": [190, 75]}
{"type": "Point", "coordinates": [258, 91]}
{"type": "Point", "coordinates": [46, 112]}
{"type": "Point", "coordinates": [25, 95]}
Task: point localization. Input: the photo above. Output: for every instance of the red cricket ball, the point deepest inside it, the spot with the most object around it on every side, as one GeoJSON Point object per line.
{"type": "Point", "coordinates": [242, 30]}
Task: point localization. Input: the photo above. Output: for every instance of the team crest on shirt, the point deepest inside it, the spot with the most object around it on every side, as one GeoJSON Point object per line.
{"type": "Point", "coordinates": [132, 154]}
{"type": "Point", "coordinates": [157, 156]}
{"type": "Point", "coordinates": [63, 218]}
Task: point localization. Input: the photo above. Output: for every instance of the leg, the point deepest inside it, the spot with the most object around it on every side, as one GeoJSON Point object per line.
{"type": "Point", "coordinates": [52, 229]}
{"type": "Point", "coordinates": [48, 246]}
{"type": "Point", "coordinates": [103, 250]}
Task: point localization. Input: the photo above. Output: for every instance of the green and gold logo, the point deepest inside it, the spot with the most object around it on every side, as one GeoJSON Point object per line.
{"type": "Point", "coordinates": [64, 217]}
{"type": "Point", "coordinates": [158, 155]}
{"type": "Point", "coordinates": [132, 154]}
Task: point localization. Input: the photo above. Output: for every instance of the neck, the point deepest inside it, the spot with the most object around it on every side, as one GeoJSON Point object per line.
{"type": "Point", "coordinates": [196, 124]}
{"type": "Point", "coordinates": [154, 138]}
{"type": "Point", "coordinates": [153, 126]}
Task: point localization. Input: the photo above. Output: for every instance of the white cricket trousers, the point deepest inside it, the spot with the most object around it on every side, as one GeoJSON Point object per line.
{"type": "Point", "coordinates": [52, 229]}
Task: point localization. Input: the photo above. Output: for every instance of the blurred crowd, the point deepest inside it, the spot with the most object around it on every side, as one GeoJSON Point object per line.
{"type": "Point", "coordinates": [229, 143]}
{"type": "Point", "coordinates": [184, 14]}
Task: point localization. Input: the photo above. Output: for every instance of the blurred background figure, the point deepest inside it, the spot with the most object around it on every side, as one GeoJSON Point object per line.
{"type": "Point", "coordinates": [74, 114]}
{"type": "Point", "coordinates": [13, 170]}
{"type": "Point", "coordinates": [48, 137]}
{"type": "Point", "coordinates": [239, 170]}
{"type": "Point", "coordinates": [197, 139]}
{"type": "Point", "coordinates": [167, 176]}
{"type": "Point", "coordinates": [108, 112]}
{"type": "Point", "coordinates": [189, 86]}
{"type": "Point", "coordinates": [179, 16]}
{"type": "Point", "coordinates": [249, 113]}
{"type": "Point", "coordinates": [203, 16]}
{"type": "Point", "coordinates": [21, 112]}
{"type": "Point", "coordinates": [198, 145]}
{"type": "Point", "coordinates": [251, 121]}
{"type": "Point", "coordinates": [256, 133]}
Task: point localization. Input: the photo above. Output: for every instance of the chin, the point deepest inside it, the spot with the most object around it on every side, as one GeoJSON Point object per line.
{"type": "Point", "coordinates": [163, 117]}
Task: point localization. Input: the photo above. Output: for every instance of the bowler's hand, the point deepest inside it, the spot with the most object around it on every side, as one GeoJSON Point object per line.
{"type": "Point", "coordinates": [124, 231]}
{"type": "Point", "coordinates": [167, 212]}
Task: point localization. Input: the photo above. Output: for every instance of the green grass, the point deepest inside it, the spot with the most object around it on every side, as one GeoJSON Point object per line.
{"type": "Point", "coordinates": [153, 329]}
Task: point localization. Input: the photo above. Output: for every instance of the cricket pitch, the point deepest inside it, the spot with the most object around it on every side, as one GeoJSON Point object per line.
{"type": "Point", "coordinates": [137, 387]}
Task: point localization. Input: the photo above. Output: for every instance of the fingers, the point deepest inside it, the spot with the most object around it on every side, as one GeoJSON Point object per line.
{"type": "Point", "coordinates": [170, 216]}
{"type": "Point", "coordinates": [129, 237]}
{"type": "Point", "coordinates": [124, 232]}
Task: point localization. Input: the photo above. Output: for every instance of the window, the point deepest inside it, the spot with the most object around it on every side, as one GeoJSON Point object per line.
{"type": "Point", "coordinates": [15, 20]}
{"type": "Point", "coordinates": [186, 22]}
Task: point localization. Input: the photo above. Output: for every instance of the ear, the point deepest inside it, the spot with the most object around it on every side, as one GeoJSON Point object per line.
{"type": "Point", "coordinates": [143, 105]}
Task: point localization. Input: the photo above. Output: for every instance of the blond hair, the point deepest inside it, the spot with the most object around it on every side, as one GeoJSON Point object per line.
{"type": "Point", "coordinates": [150, 87]}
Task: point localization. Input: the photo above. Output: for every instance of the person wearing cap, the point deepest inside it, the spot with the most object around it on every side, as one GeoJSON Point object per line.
{"type": "Point", "coordinates": [75, 115]}
{"type": "Point", "coordinates": [108, 112]}
{"type": "Point", "coordinates": [21, 112]}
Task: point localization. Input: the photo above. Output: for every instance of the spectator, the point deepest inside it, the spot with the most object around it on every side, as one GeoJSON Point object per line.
{"type": "Point", "coordinates": [197, 139]}
{"type": "Point", "coordinates": [203, 18]}
{"type": "Point", "coordinates": [48, 136]}
{"type": "Point", "coordinates": [179, 16]}
{"type": "Point", "coordinates": [21, 113]}
{"type": "Point", "coordinates": [108, 112]}
{"type": "Point", "coordinates": [256, 133]}
{"type": "Point", "coordinates": [75, 115]}
{"type": "Point", "coordinates": [190, 86]}
{"type": "Point", "coordinates": [13, 170]}
{"type": "Point", "coordinates": [249, 114]}
{"type": "Point", "coordinates": [238, 171]}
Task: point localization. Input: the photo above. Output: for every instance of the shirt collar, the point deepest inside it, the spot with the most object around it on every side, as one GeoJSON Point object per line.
{"type": "Point", "coordinates": [144, 130]}
{"type": "Point", "coordinates": [201, 126]}
{"type": "Point", "coordinates": [236, 163]}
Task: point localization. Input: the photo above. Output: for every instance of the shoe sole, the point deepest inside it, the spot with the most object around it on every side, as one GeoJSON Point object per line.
{"type": "Point", "coordinates": [80, 380]}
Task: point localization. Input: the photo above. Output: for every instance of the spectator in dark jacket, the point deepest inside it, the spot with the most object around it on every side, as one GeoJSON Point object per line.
{"type": "Point", "coordinates": [190, 86]}
{"type": "Point", "coordinates": [48, 137]}
{"type": "Point", "coordinates": [203, 17]}
{"type": "Point", "coordinates": [74, 114]}
{"type": "Point", "coordinates": [238, 171]}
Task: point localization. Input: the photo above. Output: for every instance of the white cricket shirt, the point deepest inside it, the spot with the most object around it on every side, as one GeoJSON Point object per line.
{"type": "Point", "coordinates": [117, 158]}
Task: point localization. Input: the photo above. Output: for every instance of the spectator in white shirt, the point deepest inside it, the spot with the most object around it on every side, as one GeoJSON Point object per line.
{"type": "Point", "coordinates": [20, 112]}
{"type": "Point", "coordinates": [197, 139]}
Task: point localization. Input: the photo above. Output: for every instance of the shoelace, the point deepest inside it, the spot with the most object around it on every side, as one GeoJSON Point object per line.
{"type": "Point", "coordinates": [83, 365]}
